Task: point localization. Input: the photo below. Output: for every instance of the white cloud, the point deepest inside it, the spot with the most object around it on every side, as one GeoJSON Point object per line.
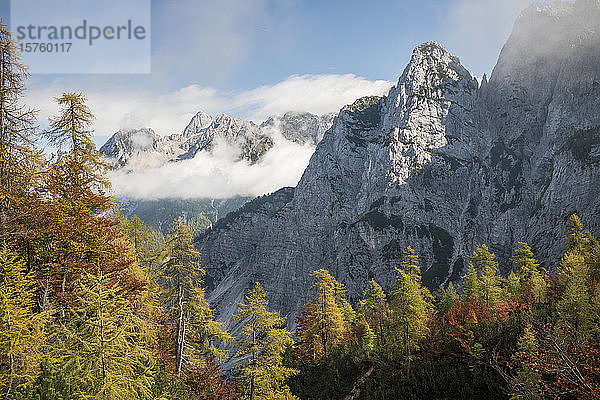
{"type": "Point", "coordinates": [170, 112]}
{"type": "Point", "coordinates": [218, 175]}
{"type": "Point", "coordinates": [318, 94]}
{"type": "Point", "coordinates": [476, 29]}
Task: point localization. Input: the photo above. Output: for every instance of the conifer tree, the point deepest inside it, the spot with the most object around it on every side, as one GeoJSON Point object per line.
{"type": "Point", "coordinates": [22, 332]}
{"type": "Point", "coordinates": [322, 326]}
{"type": "Point", "coordinates": [409, 313]}
{"type": "Point", "coordinates": [375, 309]}
{"type": "Point", "coordinates": [196, 332]}
{"type": "Point", "coordinates": [410, 308]}
{"type": "Point", "coordinates": [574, 233]}
{"type": "Point", "coordinates": [82, 165]}
{"type": "Point", "coordinates": [574, 307]}
{"type": "Point", "coordinates": [103, 343]}
{"type": "Point", "coordinates": [18, 158]}
{"type": "Point", "coordinates": [262, 340]}
{"type": "Point", "coordinates": [482, 264]}
{"type": "Point", "coordinates": [528, 378]}
{"type": "Point", "coordinates": [446, 298]}
{"type": "Point", "coordinates": [529, 274]}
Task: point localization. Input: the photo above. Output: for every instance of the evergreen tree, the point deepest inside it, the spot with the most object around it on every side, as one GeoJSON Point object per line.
{"type": "Point", "coordinates": [410, 309]}
{"type": "Point", "coordinates": [374, 308]}
{"type": "Point", "coordinates": [18, 158]}
{"type": "Point", "coordinates": [262, 341]}
{"type": "Point", "coordinates": [22, 333]}
{"type": "Point", "coordinates": [323, 325]}
{"type": "Point", "coordinates": [196, 332]}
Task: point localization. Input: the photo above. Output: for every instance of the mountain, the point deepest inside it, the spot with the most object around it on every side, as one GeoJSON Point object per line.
{"type": "Point", "coordinates": [300, 128]}
{"type": "Point", "coordinates": [441, 163]}
{"type": "Point", "coordinates": [139, 149]}
{"type": "Point", "coordinates": [134, 150]}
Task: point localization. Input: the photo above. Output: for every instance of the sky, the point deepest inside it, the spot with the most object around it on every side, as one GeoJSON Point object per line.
{"type": "Point", "coordinates": [233, 56]}
{"type": "Point", "coordinates": [256, 58]}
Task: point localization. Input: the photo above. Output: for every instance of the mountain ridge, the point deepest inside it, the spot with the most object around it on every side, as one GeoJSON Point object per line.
{"type": "Point", "coordinates": [440, 163]}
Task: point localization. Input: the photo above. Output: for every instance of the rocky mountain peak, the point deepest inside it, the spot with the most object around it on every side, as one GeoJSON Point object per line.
{"type": "Point", "coordinates": [126, 143]}
{"type": "Point", "coordinates": [142, 148]}
{"type": "Point", "coordinates": [198, 122]}
{"type": "Point", "coordinates": [300, 127]}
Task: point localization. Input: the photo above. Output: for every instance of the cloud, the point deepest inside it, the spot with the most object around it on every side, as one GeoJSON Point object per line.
{"type": "Point", "coordinates": [476, 29]}
{"type": "Point", "coordinates": [170, 112]}
{"type": "Point", "coordinates": [318, 94]}
{"type": "Point", "coordinates": [218, 175]}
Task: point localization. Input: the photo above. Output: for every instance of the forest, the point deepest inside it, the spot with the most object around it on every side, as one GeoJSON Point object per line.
{"type": "Point", "coordinates": [94, 305]}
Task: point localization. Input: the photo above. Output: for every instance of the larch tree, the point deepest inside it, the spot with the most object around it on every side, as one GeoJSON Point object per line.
{"type": "Point", "coordinates": [103, 343]}
{"type": "Point", "coordinates": [18, 159]}
{"type": "Point", "coordinates": [375, 309]}
{"type": "Point", "coordinates": [72, 227]}
{"type": "Point", "coordinates": [22, 332]}
{"type": "Point", "coordinates": [322, 326]}
{"type": "Point", "coordinates": [196, 332]}
{"type": "Point", "coordinates": [530, 275]}
{"type": "Point", "coordinates": [574, 307]}
{"type": "Point", "coordinates": [409, 307]}
{"type": "Point", "coordinates": [261, 344]}
{"type": "Point", "coordinates": [484, 268]}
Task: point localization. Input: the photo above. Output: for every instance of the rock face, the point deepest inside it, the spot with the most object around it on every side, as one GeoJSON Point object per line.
{"type": "Point", "coordinates": [300, 127]}
{"type": "Point", "coordinates": [139, 149]}
{"type": "Point", "coordinates": [439, 164]}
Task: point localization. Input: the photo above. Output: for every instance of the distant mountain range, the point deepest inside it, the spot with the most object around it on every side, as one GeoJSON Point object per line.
{"type": "Point", "coordinates": [135, 150]}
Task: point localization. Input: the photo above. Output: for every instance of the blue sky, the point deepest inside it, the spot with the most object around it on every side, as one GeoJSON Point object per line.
{"type": "Point", "coordinates": [252, 58]}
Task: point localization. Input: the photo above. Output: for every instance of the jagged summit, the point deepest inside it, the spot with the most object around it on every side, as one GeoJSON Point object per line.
{"type": "Point", "coordinates": [441, 164]}
{"type": "Point", "coordinates": [135, 149]}
{"type": "Point", "coordinates": [199, 122]}
{"type": "Point", "coordinates": [300, 127]}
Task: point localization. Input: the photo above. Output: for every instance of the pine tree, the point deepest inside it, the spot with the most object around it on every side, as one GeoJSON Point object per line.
{"type": "Point", "coordinates": [375, 309]}
{"type": "Point", "coordinates": [482, 263]}
{"type": "Point", "coordinates": [323, 325]}
{"type": "Point", "coordinates": [410, 309]}
{"type": "Point", "coordinates": [22, 333]}
{"type": "Point", "coordinates": [196, 332]}
{"type": "Point", "coordinates": [18, 159]}
{"type": "Point", "coordinates": [262, 341]}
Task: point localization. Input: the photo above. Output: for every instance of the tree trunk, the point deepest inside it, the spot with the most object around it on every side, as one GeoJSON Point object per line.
{"type": "Point", "coordinates": [406, 349]}
{"type": "Point", "coordinates": [180, 332]}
